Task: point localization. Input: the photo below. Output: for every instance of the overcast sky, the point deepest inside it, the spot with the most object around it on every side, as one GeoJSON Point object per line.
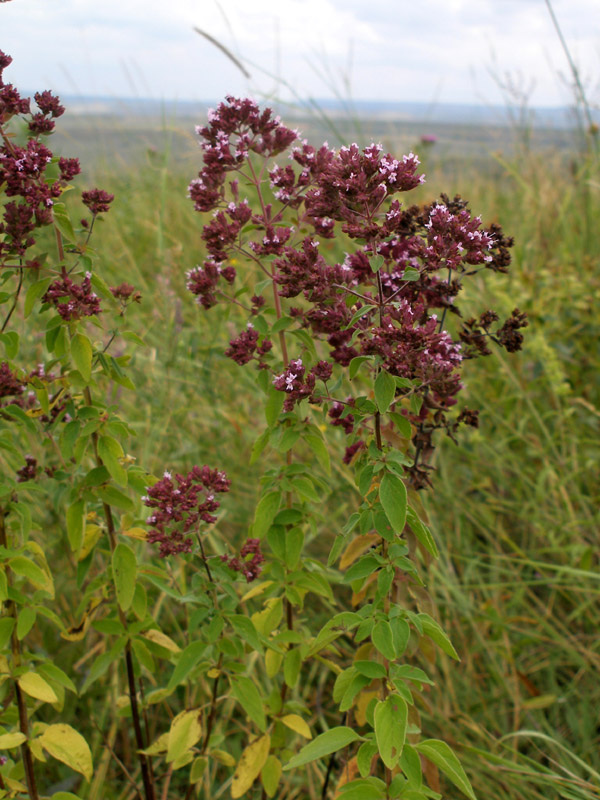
{"type": "Point", "coordinates": [397, 50]}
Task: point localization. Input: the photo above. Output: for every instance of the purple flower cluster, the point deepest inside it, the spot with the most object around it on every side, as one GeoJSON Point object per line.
{"type": "Point", "coordinates": [385, 297]}
{"type": "Point", "coordinates": [202, 281]}
{"type": "Point", "coordinates": [28, 471]}
{"type": "Point", "coordinates": [299, 384]}
{"type": "Point", "coordinates": [245, 347]}
{"type": "Point", "coordinates": [97, 200]}
{"type": "Point", "coordinates": [73, 300]}
{"type": "Point", "coordinates": [10, 385]}
{"type": "Point", "coordinates": [180, 505]}
{"type": "Point", "coordinates": [250, 568]}
{"type": "Point", "coordinates": [23, 171]}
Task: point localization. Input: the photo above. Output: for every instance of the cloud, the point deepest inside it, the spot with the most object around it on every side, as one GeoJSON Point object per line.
{"type": "Point", "coordinates": [403, 50]}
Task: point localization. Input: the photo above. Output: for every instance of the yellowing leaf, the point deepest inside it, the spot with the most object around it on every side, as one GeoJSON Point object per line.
{"type": "Point", "coordinates": [255, 591]}
{"type": "Point", "coordinates": [16, 786]}
{"type": "Point", "coordinates": [76, 632]}
{"type": "Point", "coordinates": [223, 758]}
{"type": "Point", "coordinates": [8, 740]}
{"type": "Point", "coordinates": [66, 745]}
{"type": "Point", "coordinates": [270, 775]}
{"type": "Point", "coordinates": [90, 537]}
{"type": "Point", "coordinates": [159, 746]}
{"type": "Point", "coordinates": [35, 686]}
{"type": "Point", "coordinates": [295, 723]}
{"type": "Point", "coordinates": [160, 638]}
{"type": "Point", "coordinates": [136, 533]}
{"type": "Point", "coordinates": [184, 733]}
{"type": "Point", "coordinates": [250, 764]}
{"type": "Point", "coordinates": [357, 547]}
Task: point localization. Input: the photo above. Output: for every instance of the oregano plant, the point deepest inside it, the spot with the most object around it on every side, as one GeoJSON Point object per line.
{"type": "Point", "coordinates": [142, 654]}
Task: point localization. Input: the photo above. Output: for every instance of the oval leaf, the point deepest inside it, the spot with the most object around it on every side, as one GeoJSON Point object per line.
{"type": "Point", "coordinates": [329, 742]}
{"type": "Point", "coordinates": [295, 723]}
{"type": "Point", "coordinates": [440, 754]}
{"type": "Point", "coordinates": [124, 573]}
{"type": "Point", "coordinates": [185, 731]}
{"type": "Point", "coordinates": [391, 716]}
{"type": "Point", "coordinates": [250, 765]}
{"type": "Point", "coordinates": [392, 494]}
{"type": "Point", "coordinates": [35, 686]}
{"type": "Point", "coordinates": [66, 745]}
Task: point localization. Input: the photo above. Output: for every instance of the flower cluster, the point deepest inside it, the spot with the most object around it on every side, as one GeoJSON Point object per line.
{"type": "Point", "coordinates": [298, 384]}
{"type": "Point", "coordinates": [202, 281]}
{"type": "Point", "coordinates": [10, 385]}
{"type": "Point", "coordinates": [97, 200]}
{"type": "Point", "coordinates": [180, 504]}
{"type": "Point", "coordinates": [28, 471]}
{"type": "Point", "coordinates": [388, 299]}
{"type": "Point", "coordinates": [73, 300]}
{"type": "Point", "coordinates": [245, 347]}
{"type": "Point", "coordinates": [249, 567]}
{"type": "Point", "coordinates": [126, 293]}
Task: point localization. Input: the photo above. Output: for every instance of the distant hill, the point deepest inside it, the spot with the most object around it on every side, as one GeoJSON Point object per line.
{"type": "Point", "coordinates": [433, 113]}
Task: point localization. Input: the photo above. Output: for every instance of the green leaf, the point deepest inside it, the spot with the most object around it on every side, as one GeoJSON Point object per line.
{"type": "Point", "coordinates": [113, 497]}
{"type": "Point", "coordinates": [6, 628]}
{"type": "Point", "coordinates": [75, 524]}
{"type": "Point", "coordinates": [364, 757]}
{"type": "Point", "coordinates": [402, 423]}
{"type": "Point", "coordinates": [318, 447]}
{"type": "Point", "coordinates": [281, 324]}
{"type": "Point", "coordinates": [247, 695]}
{"type": "Point", "coordinates": [102, 663]}
{"type": "Point", "coordinates": [401, 634]}
{"type": "Point", "coordinates": [358, 314]}
{"type": "Point", "coordinates": [35, 291]}
{"type": "Point", "coordinates": [273, 406]}
{"type": "Point", "coordinates": [66, 745]}
{"type": "Point", "coordinates": [385, 391]}
{"type": "Point", "coordinates": [372, 669]}
{"type": "Point", "coordinates": [392, 494]}
{"type": "Point", "coordinates": [362, 569]}
{"type": "Point", "coordinates": [329, 742]}
{"type": "Point", "coordinates": [265, 513]}
{"type": "Point", "coordinates": [63, 222]}
{"type": "Point", "coordinates": [124, 568]}
{"type": "Point", "coordinates": [110, 451]}
{"type": "Point", "coordinates": [25, 621]}
{"type": "Point", "coordinates": [259, 446]}
{"type": "Point", "coordinates": [26, 567]}
{"type": "Point", "coordinates": [10, 339]}
{"type": "Point", "coordinates": [383, 640]}
{"type": "Point", "coordinates": [291, 666]}
{"type": "Point", "coordinates": [440, 754]}
{"type": "Point", "coordinates": [391, 718]}
{"type": "Point", "coordinates": [356, 364]}
{"type": "Point", "coordinates": [432, 629]}
{"type": "Point", "coordinates": [244, 628]}
{"type": "Point", "coordinates": [188, 659]}
{"type": "Point", "coordinates": [362, 789]}
{"type": "Point", "coordinates": [81, 350]}
{"type": "Point", "coordinates": [422, 532]}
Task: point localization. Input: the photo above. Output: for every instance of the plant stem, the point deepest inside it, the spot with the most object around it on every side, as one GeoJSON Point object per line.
{"type": "Point", "coordinates": [135, 712]}
{"type": "Point", "coordinates": [21, 704]}
{"type": "Point", "coordinates": [15, 301]}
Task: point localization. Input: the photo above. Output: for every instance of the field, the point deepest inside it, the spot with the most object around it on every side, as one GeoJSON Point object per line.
{"type": "Point", "coordinates": [514, 508]}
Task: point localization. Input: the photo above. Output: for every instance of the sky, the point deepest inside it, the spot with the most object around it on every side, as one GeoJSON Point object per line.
{"type": "Point", "coordinates": [432, 51]}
